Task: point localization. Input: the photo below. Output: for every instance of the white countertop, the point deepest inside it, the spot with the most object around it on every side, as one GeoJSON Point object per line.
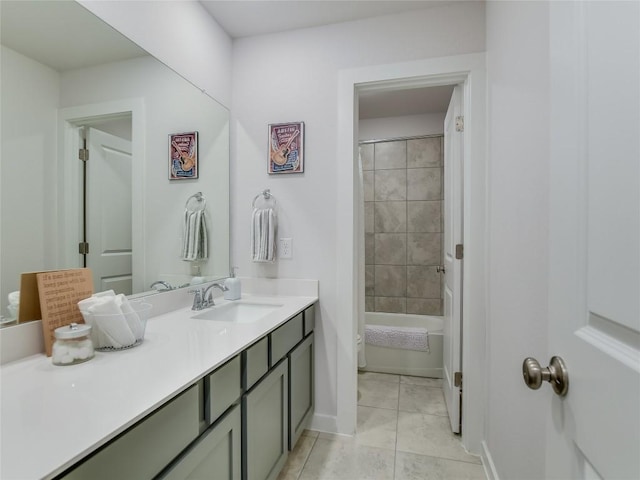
{"type": "Point", "coordinates": [51, 417]}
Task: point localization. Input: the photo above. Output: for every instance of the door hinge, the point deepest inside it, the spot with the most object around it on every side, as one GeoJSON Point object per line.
{"type": "Point", "coordinates": [457, 379]}
{"type": "Point", "coordinates": [460, 123]}
{"type": "Point", "coordinates": [83, 248]}
{"type": "Point", "coordinates": [83, 154]}
{"type": "Point", "coordinates": [459, 251]}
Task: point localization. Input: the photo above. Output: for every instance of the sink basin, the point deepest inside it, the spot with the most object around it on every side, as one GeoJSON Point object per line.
{"type": "Point", "coordinates": [238, 312]}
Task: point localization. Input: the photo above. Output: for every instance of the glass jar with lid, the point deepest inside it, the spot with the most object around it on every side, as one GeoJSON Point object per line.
{"type": "Point", "coordinates": [72, 345]}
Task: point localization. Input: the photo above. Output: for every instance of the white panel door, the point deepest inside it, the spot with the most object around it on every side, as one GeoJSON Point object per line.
{"type": "Point", "coordinates": [594, 272]}
{"type": "Point", "coordinates": [452, 352]}
{"type": "Point", "coordinates": [109, 211]}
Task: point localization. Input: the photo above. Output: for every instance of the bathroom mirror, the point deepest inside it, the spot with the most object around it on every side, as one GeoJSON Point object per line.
{"type": "Point", "coordinates": [69, 79]}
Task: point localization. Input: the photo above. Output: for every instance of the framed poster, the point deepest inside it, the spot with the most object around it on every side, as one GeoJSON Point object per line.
{"type": "Point", "coordinates": [183, 155]}
{"type": "Point", "coordinates": [286, 147]}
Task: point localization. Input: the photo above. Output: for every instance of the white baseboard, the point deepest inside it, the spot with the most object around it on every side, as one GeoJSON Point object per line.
{"type": "Point", "coordinates": [324, 423]}
{"type": "Point", "coordinates": [487, 461]}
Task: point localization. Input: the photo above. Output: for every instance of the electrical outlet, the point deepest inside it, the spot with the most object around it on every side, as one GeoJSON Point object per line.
{"type": "Point", "coordinates": [286, 248]}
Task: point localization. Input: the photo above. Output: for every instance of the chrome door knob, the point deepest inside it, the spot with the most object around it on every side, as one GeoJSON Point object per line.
{"type": "Point", "coordinates": [556, 374]}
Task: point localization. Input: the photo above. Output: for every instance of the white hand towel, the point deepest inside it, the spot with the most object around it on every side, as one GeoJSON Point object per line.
{"type": "Point", "coordinates": [107, 317]}
{"type": "Point", "coordinates": [271, 254]}
{"type": "Point", "coordinates": [133, 319]}
{"type": "Point", "coordinates": [195, 241]}
{"type": "Point", "coordinates": [263, 235]}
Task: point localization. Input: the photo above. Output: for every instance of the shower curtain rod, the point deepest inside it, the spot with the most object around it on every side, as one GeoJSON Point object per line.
{"type": "Point", "coordinates": [416, 137]}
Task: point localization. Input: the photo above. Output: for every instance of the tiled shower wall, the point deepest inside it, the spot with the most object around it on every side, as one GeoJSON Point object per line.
{"type": "Point", "coordinates": [403, 182]}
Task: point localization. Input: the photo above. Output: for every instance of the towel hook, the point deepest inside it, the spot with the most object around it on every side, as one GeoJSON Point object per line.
{"type": "Point", "coordinates": [198, 197]}
{"type": "Point", "coordinates": [266, 195]}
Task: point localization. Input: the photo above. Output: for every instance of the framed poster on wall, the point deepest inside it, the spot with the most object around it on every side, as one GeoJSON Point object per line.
{"type": "Point", "coordinates": [286, 147]}
{"type": "Point", "coordinates": [183, 155]}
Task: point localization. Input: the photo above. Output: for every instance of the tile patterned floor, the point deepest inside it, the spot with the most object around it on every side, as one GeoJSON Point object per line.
{"type": "Point", "coordinates": [403, 433]}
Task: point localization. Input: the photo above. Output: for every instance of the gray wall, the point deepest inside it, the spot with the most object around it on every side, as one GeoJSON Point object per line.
{"type": "Point", "coordinates": [403, 225]}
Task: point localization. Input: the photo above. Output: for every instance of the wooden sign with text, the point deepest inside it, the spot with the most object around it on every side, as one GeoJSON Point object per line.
{"type": "Point", "coordinates": [59, 292]}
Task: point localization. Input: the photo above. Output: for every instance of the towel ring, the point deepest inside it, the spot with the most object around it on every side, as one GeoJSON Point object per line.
{"type": "Point", "coordinates": [266, 195]}
{"type": "Point", "coordinates": [201, 202]}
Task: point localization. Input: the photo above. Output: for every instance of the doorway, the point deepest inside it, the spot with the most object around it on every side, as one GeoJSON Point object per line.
{"type": "Point", "coordinates": [106, 202]}
{"type": "Point", "coordinates": [101, 197]}
{"type": "Point", "coordinates": [410, 154]}
{"type": "Point", "coordinates": [467, 70]}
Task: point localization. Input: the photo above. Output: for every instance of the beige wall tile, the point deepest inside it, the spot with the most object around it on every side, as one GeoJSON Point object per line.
{"type": "Point", "coordinates": [370, 279]}
{"type": "Point", "coordinates": [391, 280]}
{"type": "Point", "coordinates": [424, 248]}
{"type": "Point", "coordinates": [391, 185]}
{"type": "Point", "coordinates": [369, 224]}
{"type": "Point", "coordinates": [391, 304]}
{"type": "Point", "coordinates": [369, 248]}
{"type": "Point", "coordinates": [366, 156]}
{"type": "Point", "coordinates": [367, 185]}
{"type": "Point", "coordinates": [390, 217]}
{"type": "Point", "coordinates": [391, 248]}
{"type": "Point", "coordinates": [424, 306]}
{"type": "Point", "coordinates": [424, 152]}
{"type": "Point", "coordinates": [424, 184]}
{"type": "Point", "coordinates": [423, 282]}
{"type": "Point", "coordinates": [369, 304]}
{"type": "Point", "coordinates": [424, 216]}
{"type": "Point", "coordinates": [389, 155]}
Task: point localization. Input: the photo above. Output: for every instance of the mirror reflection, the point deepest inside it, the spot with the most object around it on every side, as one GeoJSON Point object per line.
{"type": "Point", "coordinates": [88, 87]}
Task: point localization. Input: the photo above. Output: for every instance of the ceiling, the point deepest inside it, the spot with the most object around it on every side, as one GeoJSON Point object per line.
{"type": "Point", "coordinates": [52, 32]}
{"type": "Point", "coordinates": [248, 18]}
{"type": "Point", "coordinates": [398, 103]}
{"type": "Point", "coordinates": [62, 35]}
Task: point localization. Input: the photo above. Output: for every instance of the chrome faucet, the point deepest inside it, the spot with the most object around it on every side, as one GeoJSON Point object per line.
{"type": "Point", "coordinates": [203, 298]}
{"type": "Point", "coordinates": [163, 283]}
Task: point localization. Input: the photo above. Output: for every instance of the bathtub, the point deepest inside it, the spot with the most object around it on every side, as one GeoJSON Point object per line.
{"type": "Point", "coordinates": [406, 362]}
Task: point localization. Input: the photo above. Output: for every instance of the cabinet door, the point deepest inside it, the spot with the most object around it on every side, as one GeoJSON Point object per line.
{"type": "Point", "coordinates": [142, 452]}
{"type": "Point", "coordinates": [264, 426]}
{"type": "Point", "coordinates": [216, 455]}
{"type": "Point", "coordinates": [300, 389]}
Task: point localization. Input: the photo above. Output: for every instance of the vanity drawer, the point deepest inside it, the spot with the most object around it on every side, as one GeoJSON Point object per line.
{"type": "Point", "coordinates": [285, 338]}
{"type": "Point", "coordinates": [144, 450]}
{"type": "Point", "coordinates": [309, 320]}
{"type": "Point", "coordinates": [224, 389]}
{"type": "Point", "coordinates": [255, 363]}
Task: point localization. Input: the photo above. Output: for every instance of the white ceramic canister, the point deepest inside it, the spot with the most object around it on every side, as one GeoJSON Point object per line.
{"type": "Point", "coordinates": [233, 291]}
{"type": "Point", "coordinates": [72, 345]}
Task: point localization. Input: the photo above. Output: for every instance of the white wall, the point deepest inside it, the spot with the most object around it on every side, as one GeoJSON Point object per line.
{"type": "Point", "coordinates": [399, 127]}
{"type": "Point", "coordinates": [519, 110]}
{"type": "Point", "coordinates": [294, 76]}
{"type": "Point", "coordinates": [29, 101]}
{"type": "Point", "coordinates": [172, 105]}
{"type": "Point", "coordinates": [181, 34]}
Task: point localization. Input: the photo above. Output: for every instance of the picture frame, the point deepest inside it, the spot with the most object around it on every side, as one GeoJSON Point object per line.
{"type": "Point", "coordinates": [183, 156]}
{"type": "Point", "coordinates": [286, 148]}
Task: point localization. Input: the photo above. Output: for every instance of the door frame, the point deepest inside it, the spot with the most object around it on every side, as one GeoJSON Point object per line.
{"type": "Point", "coordinates": [469, 71]}
{"type": "Point", "coordinates": [70, 181]}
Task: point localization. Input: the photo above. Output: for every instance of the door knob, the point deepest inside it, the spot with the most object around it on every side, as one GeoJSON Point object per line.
{"type": "Point", "coordinates": [556, 374]}
{"type": "Point", "coordinates": [440, 269]}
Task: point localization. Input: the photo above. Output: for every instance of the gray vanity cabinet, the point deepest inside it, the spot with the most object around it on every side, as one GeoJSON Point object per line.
{"type": "Point", "coordinates": [215, 455]}
{"type": "Point", "coordinates": [300, 361]}
{"type": "Point", "coordinates": [238, 422]}
{"type": "Point", "coordinates": [144, 450]}
{"type": "Point", "coordinates": [265, 410]}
